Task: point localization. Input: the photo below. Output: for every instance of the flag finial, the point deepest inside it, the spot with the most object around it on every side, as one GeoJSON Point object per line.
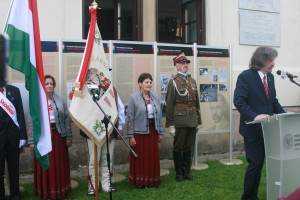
{"type": "Point", "coordinates": [95, 5]}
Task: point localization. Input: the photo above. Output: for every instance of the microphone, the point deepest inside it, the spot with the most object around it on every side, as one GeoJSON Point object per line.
{"type": "Point", "coordinates": [93, 90]}
{"type": "Point", "coordinates": [284, 74]}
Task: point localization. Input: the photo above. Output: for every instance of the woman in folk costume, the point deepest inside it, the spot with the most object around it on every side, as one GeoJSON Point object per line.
{"type": "Point", "coordinates": [55, 182]}
{"type": "Point", "coordinates": [144, 126]}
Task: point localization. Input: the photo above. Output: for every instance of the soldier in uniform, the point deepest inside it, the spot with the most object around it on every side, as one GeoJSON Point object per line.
{"type": "Point", "coordinates": [182, 116]}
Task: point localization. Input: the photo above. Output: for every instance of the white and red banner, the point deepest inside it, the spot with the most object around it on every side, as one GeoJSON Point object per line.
{"type": "Point", "coordinates": [94, 70]}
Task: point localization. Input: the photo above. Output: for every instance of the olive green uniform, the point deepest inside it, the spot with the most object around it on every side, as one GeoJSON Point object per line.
{"type": "Point", "coordinates": [183, 112]}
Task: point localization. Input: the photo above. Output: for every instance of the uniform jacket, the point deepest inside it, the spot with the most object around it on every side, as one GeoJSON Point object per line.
{"type": "Point", "coordinates": [137, 115]}
{"type": "Point", "coordinates": [182, 111]}
{"type": "Point", "coordinates": [251, 100]}
{"type": "Point", "coordinates": [8, 129]}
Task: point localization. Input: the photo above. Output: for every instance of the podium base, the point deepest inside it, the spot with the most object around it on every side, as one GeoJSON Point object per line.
{"type": "Point", "coordinates": [200, 166]}
{"type": "Point", "coordinates": [232, 162]}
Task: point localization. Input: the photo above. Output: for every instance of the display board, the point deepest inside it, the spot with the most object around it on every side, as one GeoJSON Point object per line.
{"type": "Point", "coordinates": [213, 78]}
{"type": "Point", "coordinates": [130, 59]}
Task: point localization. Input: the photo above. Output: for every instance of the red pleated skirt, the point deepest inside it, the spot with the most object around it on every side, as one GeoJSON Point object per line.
{"type": "Point", "coordinates": [145, 170]}
{"type": "Point", "coordinates": [54, 183]}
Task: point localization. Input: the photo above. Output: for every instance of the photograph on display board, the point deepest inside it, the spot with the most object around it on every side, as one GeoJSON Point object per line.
{"type": "Point", "coordinates": [208, 92]}
{"type": "Point", "coordinates": [203, 71]}
{"type": "Point", "coordinates": [222, 87]}
{"type": "Point", "coordinates": [213, 75]}
{"type": "Point", "coordinates": [220, 113]}
{"type": "Point", "coordinates": [164, 80]}
{"type": "Point", "coordinates": [223, 74]}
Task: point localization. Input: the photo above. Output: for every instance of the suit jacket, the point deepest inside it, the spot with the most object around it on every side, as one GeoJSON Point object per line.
{"type": "Point", "coordinates": [251, 100]}
{"type": "Point", "coordinates": [182, 110]}
{"type": "Point", "coordinates": [7, 126]}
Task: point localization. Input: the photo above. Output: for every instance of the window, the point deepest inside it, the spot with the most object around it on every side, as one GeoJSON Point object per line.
{"type": "Point", "coordinates": [190, 22]}
{"type": "Point", "coordinates": [181, 21]}
{"type": "Point", "coordinates": [117, 19]}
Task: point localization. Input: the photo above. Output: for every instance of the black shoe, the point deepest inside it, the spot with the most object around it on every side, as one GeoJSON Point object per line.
{"type": "Point", "coordinates": [16, 197]}
{"type": "Point", "coordinates": [179, 178]}
{"type": "Point", "coordinates": [188, 177]}
{"type": "Point", "coordinates": [140, 187]}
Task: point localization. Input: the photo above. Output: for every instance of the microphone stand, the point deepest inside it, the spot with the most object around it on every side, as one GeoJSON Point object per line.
{"type": "Point", "coordinates": [292, 80]}
{"type": "Point", "coordinates": [105, 121]}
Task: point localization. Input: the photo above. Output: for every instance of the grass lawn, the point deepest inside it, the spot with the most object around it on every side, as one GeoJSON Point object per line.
{"type": "Point", "coordinates": [218, 182]}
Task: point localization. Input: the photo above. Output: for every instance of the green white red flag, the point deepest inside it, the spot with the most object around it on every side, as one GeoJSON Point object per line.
{"type": "Point", "coordinates": [25, 55]}
{"type": "Point", "coordinates": [94, 70]}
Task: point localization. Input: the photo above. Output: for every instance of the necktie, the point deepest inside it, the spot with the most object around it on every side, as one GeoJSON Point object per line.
{"type": "Point", "coordinates": [1, 90]}
{"type": "Point", "coordinates": [265, 85]}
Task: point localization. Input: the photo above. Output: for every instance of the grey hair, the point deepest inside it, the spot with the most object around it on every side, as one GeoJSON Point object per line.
{"type": "Point", "coordinates": [261, 56]}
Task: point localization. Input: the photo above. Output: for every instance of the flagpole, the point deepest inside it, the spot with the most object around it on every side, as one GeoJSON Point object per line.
{"type": "Point", "coordinates": [5, 27]}
{"type": "Point", "coordinates": [96, 189]}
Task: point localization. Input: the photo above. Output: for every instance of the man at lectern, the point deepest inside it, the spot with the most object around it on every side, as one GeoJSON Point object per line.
{"type": "Point", "coordinates": [255, 98]}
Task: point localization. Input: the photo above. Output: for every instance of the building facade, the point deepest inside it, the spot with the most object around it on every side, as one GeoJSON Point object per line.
{"type": "Point", "coordinates": [212, 23]}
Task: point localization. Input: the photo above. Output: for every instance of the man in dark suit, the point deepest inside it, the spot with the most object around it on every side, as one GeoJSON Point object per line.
{"type": "Point", "coordinates": [255, 98]}
{"type": "Point", "coordinates": [12, 137]}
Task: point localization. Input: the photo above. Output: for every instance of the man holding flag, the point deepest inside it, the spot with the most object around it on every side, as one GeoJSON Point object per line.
{"type": "Point", "coordinates": [84, 112]}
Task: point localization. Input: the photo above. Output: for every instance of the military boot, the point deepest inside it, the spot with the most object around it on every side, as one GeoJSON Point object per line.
{"type": "Point", "coordinates": [186, 166]}
{"type": "Point", "coordinates": [177, 156]}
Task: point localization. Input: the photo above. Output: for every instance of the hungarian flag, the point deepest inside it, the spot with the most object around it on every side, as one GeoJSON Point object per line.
{"type": "Point", "coordinates": [25, 55]}
{"type": "Point", "coordinates": [94, 71]}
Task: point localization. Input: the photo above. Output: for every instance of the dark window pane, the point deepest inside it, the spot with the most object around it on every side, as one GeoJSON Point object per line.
{"type": "Point", "coordinates": [191, 33]}
{"type": "Point", "coordinates": [105, 19]}
{"type": "Point", "coordinates": [190, 20]}
{"type": "Point", "coordinates": [190, 12]}
{"type": "Point", "coordinates": [125, 20]}
{"type": "Point", "coordinates": [170, 21]}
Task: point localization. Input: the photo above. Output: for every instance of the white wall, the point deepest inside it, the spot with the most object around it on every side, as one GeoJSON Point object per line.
{"type": "Point", "coordinates": [223, 29]}
{"type": "Point", "coordinates": [57, 18]}
{"type": "Point", "coordinates": [4, 5]}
